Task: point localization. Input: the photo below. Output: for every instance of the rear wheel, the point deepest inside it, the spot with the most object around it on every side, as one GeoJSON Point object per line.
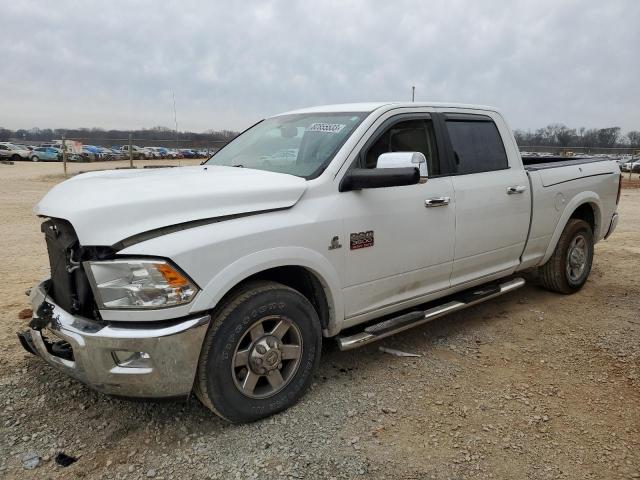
{"type": "Point", "coordinates": [568, 268]}
{"type": "Point", "coordinates": [260, 353]}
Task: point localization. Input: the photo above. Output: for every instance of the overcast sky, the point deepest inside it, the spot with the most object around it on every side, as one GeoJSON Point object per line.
{"type": "Point", "coordinates": [114, 64]}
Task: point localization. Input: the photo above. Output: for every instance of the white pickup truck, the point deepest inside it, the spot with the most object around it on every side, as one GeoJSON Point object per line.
{"type": "Point", "coordinates": [225, 278]}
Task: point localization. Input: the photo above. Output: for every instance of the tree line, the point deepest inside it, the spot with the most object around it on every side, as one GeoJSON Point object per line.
{"type": "Point", "coordinates": [99, 136]}
{"type": "Point", "coordinates": [559, 135]}
{"type": "Point", "coordinates": [554, 135]}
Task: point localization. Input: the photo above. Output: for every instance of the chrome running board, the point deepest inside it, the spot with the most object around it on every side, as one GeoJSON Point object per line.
{"type": "Point", "coordinates": [409, 320]}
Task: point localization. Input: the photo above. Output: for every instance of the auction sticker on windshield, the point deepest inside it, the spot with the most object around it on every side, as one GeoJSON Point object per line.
{"type": "Point", "coordinates": [325, 127]}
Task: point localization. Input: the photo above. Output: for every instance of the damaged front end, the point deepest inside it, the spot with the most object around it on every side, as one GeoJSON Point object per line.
{"type": "Point", "coordinates": [69, 285]}
{"type": "Point", "coordinates": [150, 360]}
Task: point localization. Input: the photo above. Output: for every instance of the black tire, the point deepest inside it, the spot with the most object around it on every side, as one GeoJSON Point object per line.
{"type": "Point", "coordinates": [16, 158]}
{"type": "Point", "coordinates": [557, 274]}
{"type": "Point", "coordinates": [218, 379]}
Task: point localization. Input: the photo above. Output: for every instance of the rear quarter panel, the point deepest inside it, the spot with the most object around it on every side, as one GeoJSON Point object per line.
{"type": "Point", "coordinates": [557, 193]}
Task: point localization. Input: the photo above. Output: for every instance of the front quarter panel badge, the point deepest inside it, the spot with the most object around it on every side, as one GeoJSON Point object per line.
{"type": "Point", "coordinates": [335, 243]}
{"type": "Point", "coordinates": [361, 240]}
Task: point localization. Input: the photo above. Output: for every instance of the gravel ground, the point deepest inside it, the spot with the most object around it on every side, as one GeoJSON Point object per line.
{"type": "Point", "coordinates": [531, 385]}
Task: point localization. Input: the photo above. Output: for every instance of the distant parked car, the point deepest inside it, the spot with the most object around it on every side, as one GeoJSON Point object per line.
{"type": "Point", "coordinates": [45, 154]}
{"type": "Point", "coordinates": [138, 152]}
{"type": "Point", "coordinates": [164, 152]}
{"type": "Point", "coordinates": [23, 147]}
{"type": "Point", "coordinates": [90, 153]}
{"type": "Point", "coordinates": [188, 153]}
{"type": "Point", "coordinates": [116, 153]}
{"type": "Point", "coordinates": [622, 160]}
{"type": "Point", "coordinates": [635, 167]}
{"type": "Point", "coordinates": [626, 167]}
{"type": "Point", "coordinates": [153, 152]}
{"type": "Point", "coordinates": [9, 150]}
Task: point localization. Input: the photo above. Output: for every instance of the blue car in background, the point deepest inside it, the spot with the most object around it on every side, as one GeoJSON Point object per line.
{"type": "Point", "coordinates": [90, 153]}
{"type": "Point", "coordinates": [44, 153]}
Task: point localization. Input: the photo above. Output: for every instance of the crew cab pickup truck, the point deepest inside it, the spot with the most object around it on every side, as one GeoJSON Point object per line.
{"type": "Point", "coordinates": [225, 278]}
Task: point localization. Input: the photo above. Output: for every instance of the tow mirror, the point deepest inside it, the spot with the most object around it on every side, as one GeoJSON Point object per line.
{"type": "Point", "coordinates": [404, 160]}
{"type": "Point", "coordinates": [359, 178]}
{"type": "Point", "coordinates": [394, 169]}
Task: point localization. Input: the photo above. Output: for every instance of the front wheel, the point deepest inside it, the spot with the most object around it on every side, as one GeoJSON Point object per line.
{"type": "Point", "coordinates": [568, 268]}
{"type": "Point", "coordinates": [34, 159]}
{"type": "Point", "coordinates": [260, 353]}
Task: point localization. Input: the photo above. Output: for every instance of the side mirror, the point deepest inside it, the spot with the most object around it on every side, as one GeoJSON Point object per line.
{"type": "Point", "coordinates": [359, 178]}
{"type": "Point", "coordinates": [404, 160]}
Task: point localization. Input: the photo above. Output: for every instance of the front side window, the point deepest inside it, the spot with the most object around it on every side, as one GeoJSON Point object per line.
{"type": "Point", "coordinates": [477, 146]}
{"type": "Point", "coordinates": [298, 144]}
{"type": "Point", "coordinates": [415, 135]}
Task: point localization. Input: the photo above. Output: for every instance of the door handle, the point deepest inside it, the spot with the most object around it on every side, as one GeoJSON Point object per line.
{"type": "Point", "coordinates": [437, 202]}
{"type": "Point", "coordinates": [516, 189]}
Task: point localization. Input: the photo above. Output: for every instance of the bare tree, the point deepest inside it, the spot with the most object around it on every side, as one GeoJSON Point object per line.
{"type": "Point", "coordinates": [634, 138]}
{"type": "Point", "coordinates": [608, 137]}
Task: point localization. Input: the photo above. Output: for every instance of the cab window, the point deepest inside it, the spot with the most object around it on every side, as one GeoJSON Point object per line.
{"type": "Point", "coordinates": [477, 145]}
{"type": "Point", "coordinates": [415, 135]}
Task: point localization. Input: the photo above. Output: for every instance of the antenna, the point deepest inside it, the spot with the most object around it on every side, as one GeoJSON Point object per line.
{"type": "Point", "coordinates": [175, 118]}
{"type": "Point", "coordinates": [413, 93]}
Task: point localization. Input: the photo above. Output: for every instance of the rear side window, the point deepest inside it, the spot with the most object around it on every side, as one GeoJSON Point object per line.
{"type": "Point", "coordinates": [477, 146]}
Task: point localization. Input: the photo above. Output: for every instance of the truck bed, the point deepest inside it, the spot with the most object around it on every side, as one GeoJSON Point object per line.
{"type": "Point", "coordinates": [534, 163]}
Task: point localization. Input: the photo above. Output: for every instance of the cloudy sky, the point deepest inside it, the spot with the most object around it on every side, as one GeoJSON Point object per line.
{"type": "Point", "coordinates": [114, 64]}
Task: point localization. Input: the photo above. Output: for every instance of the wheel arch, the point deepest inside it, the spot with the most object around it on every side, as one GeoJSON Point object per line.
{"type": "Point", "coordinates": [304, 281]}
{"type": "Point", "coordinates": [301, 269]}
{"type": "Point", "coordinates": [586, 206]}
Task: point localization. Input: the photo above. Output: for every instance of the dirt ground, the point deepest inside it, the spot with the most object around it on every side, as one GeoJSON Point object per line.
{"type": "Point", "coordinates": [532, 385]}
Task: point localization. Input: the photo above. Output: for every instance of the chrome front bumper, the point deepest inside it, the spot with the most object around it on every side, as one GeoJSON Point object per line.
{"type": "Point", "coordinates": [168, 369]}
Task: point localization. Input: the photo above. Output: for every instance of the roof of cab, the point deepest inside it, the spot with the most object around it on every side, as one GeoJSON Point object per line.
{"type": "Point", "coordinates": [371, 106]}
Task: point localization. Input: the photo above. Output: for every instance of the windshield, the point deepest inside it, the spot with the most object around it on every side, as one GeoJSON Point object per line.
{"type": "Point", "coordinates": [299, 144]}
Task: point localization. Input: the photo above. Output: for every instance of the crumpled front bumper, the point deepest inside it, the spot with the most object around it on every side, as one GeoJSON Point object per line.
{"type": "Point", "coordinates": [167, 369]}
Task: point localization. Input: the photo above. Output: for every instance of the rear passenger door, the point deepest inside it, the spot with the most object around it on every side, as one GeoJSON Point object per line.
{"type": "Point", "coordinates": [493, 202]}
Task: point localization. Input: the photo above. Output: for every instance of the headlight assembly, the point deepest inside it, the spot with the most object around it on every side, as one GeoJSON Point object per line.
{"type": "Point", "coordinates": [138, 284]}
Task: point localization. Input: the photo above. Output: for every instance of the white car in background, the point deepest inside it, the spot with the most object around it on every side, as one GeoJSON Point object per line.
{"type": "Point", "coordinates": [626, 166]}
{"type": "Point", "coordinates": [139, 153]}
{"type": "Point", "coordinates": [151, 152]}
{"type": "Point", "coordinates": [14, 152]}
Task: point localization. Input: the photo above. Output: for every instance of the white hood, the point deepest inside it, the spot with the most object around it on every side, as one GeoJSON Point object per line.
{"type": "Point", "coordinates": [109, 206]}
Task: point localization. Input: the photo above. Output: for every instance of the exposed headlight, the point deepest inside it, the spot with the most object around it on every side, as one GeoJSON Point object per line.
{"type": "Point", "coordinates": [136, 284]}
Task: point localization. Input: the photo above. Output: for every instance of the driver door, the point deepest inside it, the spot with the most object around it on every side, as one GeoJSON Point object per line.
{"type": "Point", "coordinates": [399, 250]}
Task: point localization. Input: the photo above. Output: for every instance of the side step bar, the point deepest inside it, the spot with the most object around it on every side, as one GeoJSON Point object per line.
{"type": "Point", "coordinates": [409, 320]}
